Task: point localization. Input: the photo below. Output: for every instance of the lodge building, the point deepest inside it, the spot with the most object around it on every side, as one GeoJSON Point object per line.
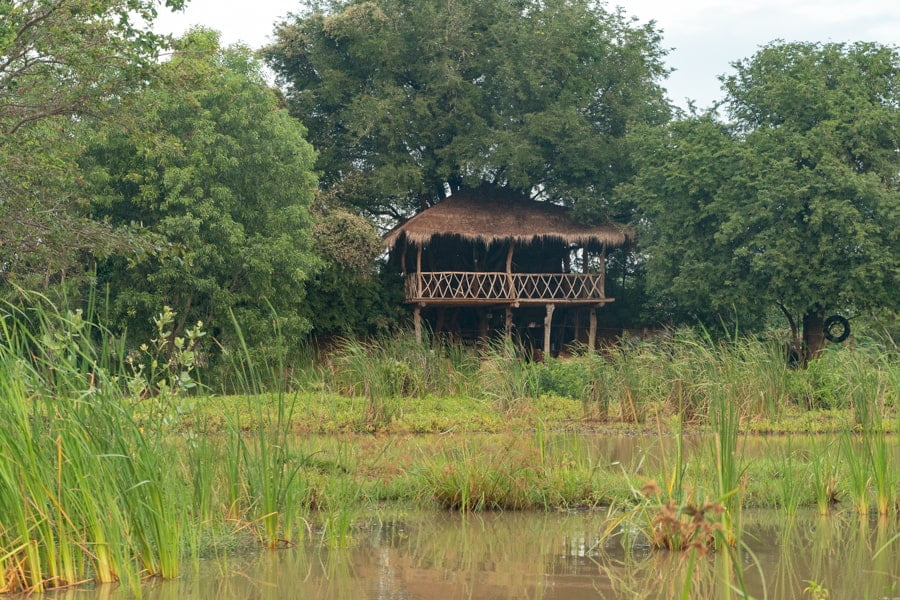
{"type": "Point", "coordinates": [495, 260]}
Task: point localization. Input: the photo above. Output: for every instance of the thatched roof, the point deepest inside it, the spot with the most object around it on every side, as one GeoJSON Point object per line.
{"type": "Point", "coordinates": [499, 218]}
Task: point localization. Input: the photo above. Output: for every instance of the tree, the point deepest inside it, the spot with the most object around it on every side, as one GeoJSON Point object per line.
{"type": "Point", "coordinates": [221, 176]}
{"type": "Point", "coordinates": [403, 97]}
{"type": "Point", "coordinates": [349, 295]}
{"type": "Point", "coordinates": [61, 62]}
{"type": "Point", "coordinates": [62, 57]}
{"type": "Point", "coordinates": [793, 203]}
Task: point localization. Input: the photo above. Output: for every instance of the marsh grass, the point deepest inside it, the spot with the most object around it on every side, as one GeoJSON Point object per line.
{"type": "Point", "coordinates": [507, 378]}
{"type": "Point", "coordinates": [729, 471]}
{"type": "Point", "coordinates": [473, 478]}
{"type": "Point", "coordinates": [790, 488]}
{"type": "Point", "coordinates": [90, 493]}
{"type": "Point", "coordinates": [684, 372]}
{"type": "Point", "coordinates": [111, 475]}
{"type": "Point", "coordinates": [824, 474]}
{"type": "Point", "coordinates": [268, 470]}
{"type": "Point", "coordinates": [856, 453]}
{"type": "Point", "coordinates": [883, 466]}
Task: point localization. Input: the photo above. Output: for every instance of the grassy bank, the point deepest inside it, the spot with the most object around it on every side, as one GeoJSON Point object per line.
{"type": "Point", "coordinates": [116, 469]}
{"type": "Point", "coordinates": [328, 413]}
{"type": "Point", "coordinates": [685, 373]}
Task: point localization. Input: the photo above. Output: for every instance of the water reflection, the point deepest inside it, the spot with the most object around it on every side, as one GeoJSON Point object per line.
{"type": "Point", "coordinates": [423, 555]}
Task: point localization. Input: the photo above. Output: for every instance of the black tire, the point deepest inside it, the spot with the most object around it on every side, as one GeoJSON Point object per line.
{"type": "Point", "coordinates": [837, 329]}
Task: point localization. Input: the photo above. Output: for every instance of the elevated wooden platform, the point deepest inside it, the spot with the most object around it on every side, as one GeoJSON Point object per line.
{"type": "Point", "coordinates": [466, 288]}
{"type": "Point", "coordinates": [509, 290]}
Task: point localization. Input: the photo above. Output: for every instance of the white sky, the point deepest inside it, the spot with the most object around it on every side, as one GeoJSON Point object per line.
{"type": "Point", "coordinates": [704, 36]}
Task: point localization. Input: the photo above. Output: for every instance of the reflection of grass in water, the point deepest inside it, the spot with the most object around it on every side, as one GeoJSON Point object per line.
{"type": "Point", "coordinates": [522, 555]}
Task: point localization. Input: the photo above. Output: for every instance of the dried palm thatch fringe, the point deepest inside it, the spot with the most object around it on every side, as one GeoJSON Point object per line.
{"type": "Point", "coordinates": [503, 216]}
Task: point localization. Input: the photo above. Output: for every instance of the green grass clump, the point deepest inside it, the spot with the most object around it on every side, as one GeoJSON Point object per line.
{"type": "Point", "coordinates": [88, 492]}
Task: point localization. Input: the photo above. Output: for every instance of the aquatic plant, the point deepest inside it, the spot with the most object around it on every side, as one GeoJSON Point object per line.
{"type": "Point", "coordinates": [90, 492]}
{"type": "Point", "coordinates": [823, 468]}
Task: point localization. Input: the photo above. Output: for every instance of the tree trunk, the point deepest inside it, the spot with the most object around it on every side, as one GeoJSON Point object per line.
{"type": "Point", "coordinates": [813, 335]}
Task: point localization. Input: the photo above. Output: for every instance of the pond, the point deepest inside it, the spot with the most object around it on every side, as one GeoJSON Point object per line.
{"type": "Point", "coordinates": [394, 555]}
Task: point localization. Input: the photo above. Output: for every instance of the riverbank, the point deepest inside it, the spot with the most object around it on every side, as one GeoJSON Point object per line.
{"type": "Point", "coordinates": [121, 467]}
{"type": "Point", "coordinates": [325, 413]}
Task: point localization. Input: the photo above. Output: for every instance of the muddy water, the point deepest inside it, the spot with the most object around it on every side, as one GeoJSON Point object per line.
{"type": "Point", "coordinates": [435, 554]}
{"type": "Point", "coordinates": [424, 555]}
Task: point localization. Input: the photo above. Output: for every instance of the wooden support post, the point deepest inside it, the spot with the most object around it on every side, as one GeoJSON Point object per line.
{"type": "Point", "coordinates": [509, 277]}
{"type": "Point", "coordinates": [603, 272]}
{"type": "Point", "coordinates": [508, 324]}
{"type": "Point", "coordinates": [417, 322]}
{"type": "Point", "coordinates": [419, 271]}
{"type": "Point", "coordinates": [548, 322]}
{"type": "Point", "coordinates": [592, 331]}
{"type": "Point", "coordinates": [482, 326]}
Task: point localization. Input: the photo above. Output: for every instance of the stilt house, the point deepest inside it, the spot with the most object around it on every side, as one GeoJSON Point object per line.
{"type": "Point", "coordinates": [481, 261]}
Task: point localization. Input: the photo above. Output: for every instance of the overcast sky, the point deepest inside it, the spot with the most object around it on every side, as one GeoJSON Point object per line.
{"type": "Point", "coordinates": [704, 36]}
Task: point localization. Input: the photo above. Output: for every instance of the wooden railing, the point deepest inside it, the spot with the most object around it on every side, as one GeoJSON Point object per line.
{"type": "Point", "coordinates": [514, 287]}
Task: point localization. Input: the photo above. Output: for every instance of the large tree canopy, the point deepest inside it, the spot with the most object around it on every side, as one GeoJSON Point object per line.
{"type": "Point", "coordinates": [794, 202]}
{"type": "Point", "coordinates": [221, 175]}
{"type": "Point", "coordinates": [403, 96]}
{"type": "Point", "coordinates": [61, 61]}
{"type": "Point", "coordinates": [64, 57]}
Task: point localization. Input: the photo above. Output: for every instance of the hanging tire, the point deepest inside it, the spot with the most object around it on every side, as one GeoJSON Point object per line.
{"type": "Point", "coordinates": [837, 329]}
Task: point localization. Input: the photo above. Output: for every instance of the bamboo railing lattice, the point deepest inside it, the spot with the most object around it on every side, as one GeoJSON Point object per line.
{"type": "Point", "coordinates": [472, 286]}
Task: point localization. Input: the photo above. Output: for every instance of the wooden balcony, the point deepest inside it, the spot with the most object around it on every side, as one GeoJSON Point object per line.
{"type": "Point", "coordinates": [462, 288]}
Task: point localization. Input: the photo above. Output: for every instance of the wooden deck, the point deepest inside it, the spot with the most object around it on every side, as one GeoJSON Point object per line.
{"type": "Point", "coordinates": [466, 288]}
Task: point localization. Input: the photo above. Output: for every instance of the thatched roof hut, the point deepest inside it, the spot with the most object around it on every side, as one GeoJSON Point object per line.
{"type": "Point", "coordinates": [486, 248]}
{"type": "Point", "coordinates": [504, 218]}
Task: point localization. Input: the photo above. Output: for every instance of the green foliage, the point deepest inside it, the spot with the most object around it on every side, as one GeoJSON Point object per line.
{"type": "Point", "coordinates": [389, 370]}
{"type": "Point", "coordinates": [506, 378]}
{"type": "Point", "coordinates": [164, 368]}
{"type": "Point", "coordinates": [792, 202]}
{"type": "Point", "coordinates": [347, 297]}
{"type": "Point", "coordinates": [346, 241]}
{"type": "Point", "coordinates": [89, 492]}
{"type": "Point", "coordinates": [566, 378]}
{"type": "Point", "coordinates": [220, 177]}
{"type": "Point", "coordinates": [59, 57]}
{"type": "Point", "coordinates": [401, 97]}
{"type": "Point", "coordinates": [61, 62]}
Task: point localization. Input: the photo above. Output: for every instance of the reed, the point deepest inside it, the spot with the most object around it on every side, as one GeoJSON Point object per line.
{"type": "Point", "coordinates": [92, 497]}
{"type": "Point", "coordinates": [268, 469]}
{"type": "Point", "coordinates": [506, 377]}
{"type": "Point", "coordinates": [790, 487]}
{"type": "Point", "coordinates": [469, 479]}
{"type": "Point", "coordinates": [882, 464]}
{"type": "Point", "coordinates": [728, 470]}
{"type": "Point", "coordinates": [823, 469]}
{"type": "Point", "coordinates": [855, 454]}
{"type": "Point", "coordinates": [682, 372]}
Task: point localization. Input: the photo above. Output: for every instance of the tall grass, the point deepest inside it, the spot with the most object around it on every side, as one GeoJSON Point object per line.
{"type": "Point", "coordinates": [103, 478]}
{"type": "Point", "coordinates": [823, 468]}
{"type": "Point", "coordinates": [87, 493]}
{"type": "Point", "coordinates": [268, 468]}
{"type": "Point", "coordinates": [98, 479]}
{"type": "Point", "coordinates": [388, 370]}
{"type": "Point", "coordinates": [683, 372]}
